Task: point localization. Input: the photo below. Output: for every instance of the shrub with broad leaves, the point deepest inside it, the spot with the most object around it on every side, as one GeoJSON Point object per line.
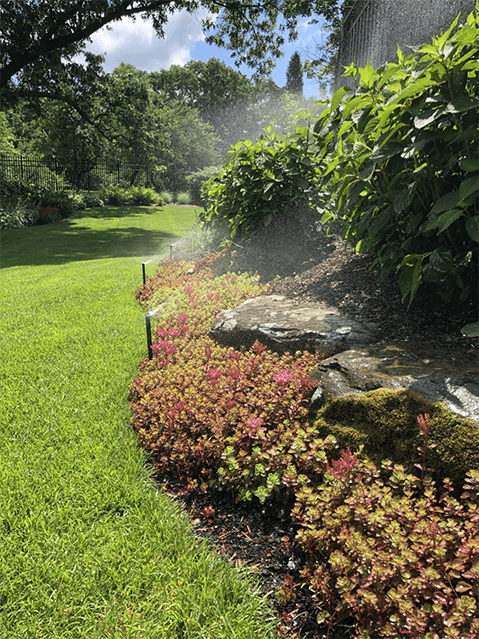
{"type": "Point", "coordinates": [261, 180]}
{"type": "Point", "coordinates": [401, 171]}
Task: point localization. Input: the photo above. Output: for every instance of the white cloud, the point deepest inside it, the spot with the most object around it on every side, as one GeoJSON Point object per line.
{"type": "Point", "coordinates": [135, 42]}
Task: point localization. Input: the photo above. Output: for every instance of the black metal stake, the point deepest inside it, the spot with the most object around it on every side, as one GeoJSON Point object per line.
{"type": "Point", "coordinates": [148, 335]}
{"type": "Point", "coordinates": [148, 317]}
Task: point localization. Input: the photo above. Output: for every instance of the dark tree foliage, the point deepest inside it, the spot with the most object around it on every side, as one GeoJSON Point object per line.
{"type": "Point", "coordinates": [41, 38]}
{"type": "Point", "coordinates": [294, 75]}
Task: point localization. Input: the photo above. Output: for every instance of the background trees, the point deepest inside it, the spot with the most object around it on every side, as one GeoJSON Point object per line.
{"type": "Point", "coordinates": [177, 121]}
{"type": "Point", "coordinates": [42, 38]}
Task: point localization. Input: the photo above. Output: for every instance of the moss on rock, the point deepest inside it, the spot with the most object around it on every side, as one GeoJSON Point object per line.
{"type": "Point", "coordinates": [384, 422]}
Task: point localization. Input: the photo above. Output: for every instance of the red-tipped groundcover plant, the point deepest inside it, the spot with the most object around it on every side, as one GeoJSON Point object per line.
{"type": "Point", "coordinates": [391, 554]}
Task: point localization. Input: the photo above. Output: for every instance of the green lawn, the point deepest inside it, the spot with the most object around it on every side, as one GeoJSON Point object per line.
{"type": "Point", "coordinates": [88, 547]}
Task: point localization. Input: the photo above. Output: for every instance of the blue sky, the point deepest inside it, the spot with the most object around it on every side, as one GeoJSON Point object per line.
{"type": "Point", "coordinates": [135, 42]}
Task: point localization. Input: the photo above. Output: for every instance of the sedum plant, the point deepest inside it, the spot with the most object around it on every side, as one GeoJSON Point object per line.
{"type": "Point", "coordinates": [386, 552]}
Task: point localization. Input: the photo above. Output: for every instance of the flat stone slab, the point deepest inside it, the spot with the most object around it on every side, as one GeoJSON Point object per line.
{"type": "Point", "coordinates": [435, 375]}
{"type": "Point", "coordinates": [285, 325]}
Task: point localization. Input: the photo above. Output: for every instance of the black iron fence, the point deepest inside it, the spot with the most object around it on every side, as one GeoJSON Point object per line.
{"type": "Point", "coordinates": [372, 30]}
{"type": "Point", "coordinates": [58, 174]}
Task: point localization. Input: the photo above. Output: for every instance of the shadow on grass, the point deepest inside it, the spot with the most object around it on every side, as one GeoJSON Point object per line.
{"type": "Point", "coordinates": [70, 240]}
{"type": "Point", "coordinates": [119, 211]}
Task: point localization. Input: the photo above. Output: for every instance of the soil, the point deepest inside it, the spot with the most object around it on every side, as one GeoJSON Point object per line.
{"type": "Point", "coordinates": [319, 267]}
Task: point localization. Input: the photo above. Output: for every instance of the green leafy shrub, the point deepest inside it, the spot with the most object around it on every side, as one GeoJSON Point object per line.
{"type": "Point", "coordinates": [167, 197]}
{"type": "Point", "coordinates": [141, 195]}
{"type": "Point", "coordinates": [400, 163]}
{"type": "Point", "coordinates": [92, 201]}
{"type": "Point", "coordinates": [114, 195]}
{"type": "Point", "coordinates": [55, 205]}
{"type": "Point", "coordinates": [183, 197]}
{"type": "Point", "coordinates": [196, 181]}
{"type": "Point", "coordinates": [38, 206]}
{"type": "Point", "coordinates": [383, 423]}
{"type": "Point", "coordinates": [15, 213]}
{"type": "Point", "coordinates": [260, 179]}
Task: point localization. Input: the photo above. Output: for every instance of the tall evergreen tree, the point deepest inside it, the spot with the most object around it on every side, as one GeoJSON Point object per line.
{"type": "Point", "coordinates": [294, 75]}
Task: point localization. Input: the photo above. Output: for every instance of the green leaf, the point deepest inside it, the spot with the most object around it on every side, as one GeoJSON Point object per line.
{"type": "Point", "coordinates": [338, 96]}
{"type": "Point", "coordinates": [448, 218]}
{"type": "Point", "coordinates": [472, 228]}
{"type": "Point", "coordinates": [429, 225]}
{"type": "Point", "coordinates": [268, 219]}
{"type": "Point", "coordinates": [367, 172]}
{"type": "Point", "coordinates": [410, 275]}
{"type": "Point", "coordinates": [468, 187]}
{"type": "Point", "coordinates": [471, 330]}
{"type": "Point", "coordinates": [345, 126]}
{"type": "Point", "coordinates": [462, 103]}
{"type": "Point", "coordinates": [379, 222]}
{"type": "Point", "coordinates": [426, 118]}
{"type": "Point", "coordinates": [411, 150]}
{"type": "Point", "coordinates": [404, 197]}
{"type": "Point", "coordinates": [388, 151]}
{"type": "Point", "coordinates": [469, 165]}
{"type": "Point", "coordinates": [446, 202]}
{"type": "Point", "coordinates": [367, 74]}
{"type": "Point", "coordinates": [354, 103]}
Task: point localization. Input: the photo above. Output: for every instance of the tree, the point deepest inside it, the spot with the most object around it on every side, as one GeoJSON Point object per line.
{"type": "Point", "coordinates": [224, 98]}
{"type": "Point", "coordinates": [131, 123]}
{"type": "Point", "coordinates": [294, 75]}
{"type": "Point", "coordinates": [41, 38]}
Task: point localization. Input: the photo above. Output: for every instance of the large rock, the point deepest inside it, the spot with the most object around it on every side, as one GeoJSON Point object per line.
{"type": "Point", "coordinates": [285, 325]}
{"type": "Point", "coordinates": [432, 372]}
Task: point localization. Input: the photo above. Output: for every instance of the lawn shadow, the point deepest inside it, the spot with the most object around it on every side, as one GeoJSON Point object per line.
{"type": "Point", "coordinates": [118, 211]}
{"type": "Point", "coordinates": [69, 241]}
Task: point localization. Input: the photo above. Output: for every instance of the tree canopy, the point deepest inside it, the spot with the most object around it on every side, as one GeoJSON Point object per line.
{"type": "Point", "coordinates": [224, 98]}
{"type": "Point", "coordinates": [41, 39]}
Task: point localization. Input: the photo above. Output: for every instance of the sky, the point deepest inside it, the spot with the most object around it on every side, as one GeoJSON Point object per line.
{"type": "Point", "coordinates": [136, 43]}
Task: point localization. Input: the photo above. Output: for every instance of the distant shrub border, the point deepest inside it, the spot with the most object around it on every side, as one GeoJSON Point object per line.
{"type": "Point", "coordinates": [387, 551]}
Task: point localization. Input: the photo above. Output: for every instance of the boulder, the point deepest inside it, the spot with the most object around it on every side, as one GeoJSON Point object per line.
{"type": "Point", "coordinates": [285, 325]}
{"type": "Point", "coordinates": [433, 373]}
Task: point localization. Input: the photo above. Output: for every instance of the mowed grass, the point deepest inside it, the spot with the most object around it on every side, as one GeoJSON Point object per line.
{"type": "Point", "coordinates": [88, 546]}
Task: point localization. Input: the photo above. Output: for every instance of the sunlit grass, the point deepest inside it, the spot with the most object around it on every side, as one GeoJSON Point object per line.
{"type": "Point", "coordinates": [88, 547]}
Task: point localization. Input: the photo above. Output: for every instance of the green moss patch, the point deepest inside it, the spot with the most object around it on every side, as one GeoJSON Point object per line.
{"type": "Point", "coordinates": [384, 423]}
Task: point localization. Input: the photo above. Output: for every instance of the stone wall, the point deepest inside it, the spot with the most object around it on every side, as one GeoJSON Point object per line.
{"type": "Point", "coordinates": [373, 29]}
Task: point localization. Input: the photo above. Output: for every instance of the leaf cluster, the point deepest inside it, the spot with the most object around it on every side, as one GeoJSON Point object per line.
{"type": "Point", "coordinates": [194, 404]}
{"type": "Point", "coordinates": [400, 162]}
{"type": "Point", "coordinates": [139, 195]}
{"type": "Point", "coordinates": [399, 563]}
{"type": "Point", "coordinates": [260, 180]}
{"type": "Point", "coordinates": [392, 164]}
